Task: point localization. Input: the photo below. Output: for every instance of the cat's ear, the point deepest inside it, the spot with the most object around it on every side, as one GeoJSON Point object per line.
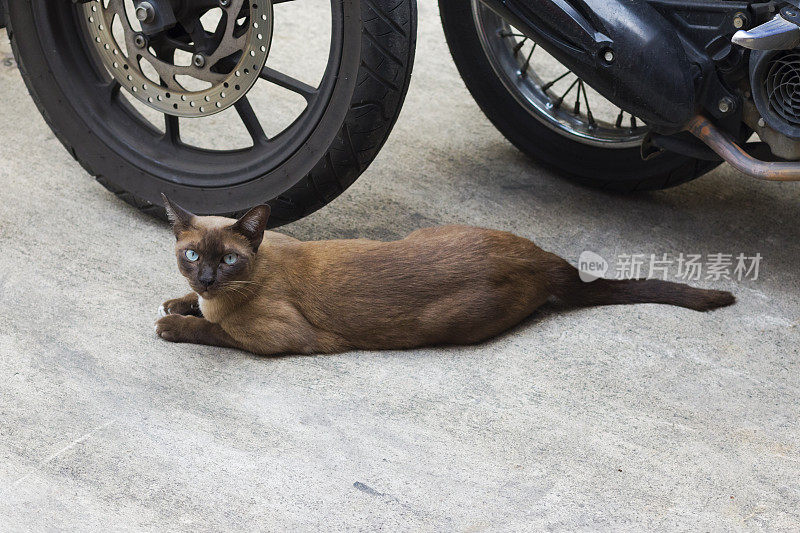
{"type": "Point", "coordinates": [180, 218]}
{"type": "Point", "coordinates": [252, 225]}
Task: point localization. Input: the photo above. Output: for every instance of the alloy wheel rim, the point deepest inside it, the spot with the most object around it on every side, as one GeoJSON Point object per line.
{"type": "Point", "coordinates": [161, 151]}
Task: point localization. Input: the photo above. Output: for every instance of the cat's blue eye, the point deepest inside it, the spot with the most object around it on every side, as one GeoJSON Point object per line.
{"type": "Point", "coordinates": [230, 259]}
{"type": "Point", "coordinates": [191, 255]}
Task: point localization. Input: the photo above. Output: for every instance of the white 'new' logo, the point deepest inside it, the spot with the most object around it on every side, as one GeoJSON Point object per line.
{"type": "Point", "coordinates": [591, 266]}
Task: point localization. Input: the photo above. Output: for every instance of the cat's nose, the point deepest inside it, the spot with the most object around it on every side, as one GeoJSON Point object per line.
{"type": "Point", "coordinates": [206, 276]}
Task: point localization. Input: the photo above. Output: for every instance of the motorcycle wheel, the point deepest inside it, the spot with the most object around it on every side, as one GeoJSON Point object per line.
{"type": "Point", "coordinates": [345, 122]}
{"type": "Point", "coordinates": [545, 111]}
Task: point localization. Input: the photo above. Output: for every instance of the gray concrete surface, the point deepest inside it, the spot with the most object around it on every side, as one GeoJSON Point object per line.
{"type": "Point", "coordinates": [610, 419]}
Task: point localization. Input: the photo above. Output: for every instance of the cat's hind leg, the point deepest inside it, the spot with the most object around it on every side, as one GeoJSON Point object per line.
{"type": "Point", "coordinates": [195, 330]}
{"type": "Point", "coordinates": [185, 305]}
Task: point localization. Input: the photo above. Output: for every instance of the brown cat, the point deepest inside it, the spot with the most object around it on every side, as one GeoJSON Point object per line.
{"type": "Point", "coordinates": [268, 293]}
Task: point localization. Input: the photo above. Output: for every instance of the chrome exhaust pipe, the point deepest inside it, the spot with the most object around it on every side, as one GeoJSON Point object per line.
{"type": "Point", "coordinates": [732, 153]}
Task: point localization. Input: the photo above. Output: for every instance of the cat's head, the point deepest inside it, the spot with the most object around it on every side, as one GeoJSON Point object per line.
{"type": "Point", "coordinates": [216, 254]}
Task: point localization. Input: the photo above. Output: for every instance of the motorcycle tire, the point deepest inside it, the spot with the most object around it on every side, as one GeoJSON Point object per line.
{"type": "Point", "coordinates": [375, 47]}
{"type": "Point", "coordinates": [618, 169]}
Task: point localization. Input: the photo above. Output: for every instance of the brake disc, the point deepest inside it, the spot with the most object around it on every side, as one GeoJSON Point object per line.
{"type": "Point", "coordinates": [242, 40]}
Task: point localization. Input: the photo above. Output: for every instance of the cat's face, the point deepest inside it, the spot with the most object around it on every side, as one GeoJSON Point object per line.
{"type": "Point", "coordinates": [213, 259]}
{"type": "Point", "coordinates": [215, 254]}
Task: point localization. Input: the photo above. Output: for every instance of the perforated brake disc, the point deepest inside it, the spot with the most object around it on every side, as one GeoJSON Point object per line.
{"type": "Point", "coordinates": [240, 48]}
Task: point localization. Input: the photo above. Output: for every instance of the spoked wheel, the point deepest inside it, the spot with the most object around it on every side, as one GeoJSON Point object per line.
{"type": "Point", "coordinates": [548, 112]}
{"type": "Point", "coordinates": [237, 103]}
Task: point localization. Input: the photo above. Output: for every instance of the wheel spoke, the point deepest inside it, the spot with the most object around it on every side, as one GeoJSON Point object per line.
{"type": "Point", "coordinates": [560, 99]}
{"type": "Point", "coordinates": [527, 63]}
{"type": "Point", "coordinates": [589, 115]}
{"type": "Point", "coordinates": [287, 82]}
{"type": "Point", "coordinates": [250, 121]}
{"type": "Point", "coordinates": [576, 110]}
{"type": "Point", "coordinates": [110, 89]}
{"type": "Point", "coordinates": [519, 45]}
{"type": "Point", "coordinates": [549, 84]}
{"type": "Point", "coordinates": [618, 123]}
{"type": "Point", "coordinates": [507, 34]}
{"type": "Point", "coordinates": [172, 127]}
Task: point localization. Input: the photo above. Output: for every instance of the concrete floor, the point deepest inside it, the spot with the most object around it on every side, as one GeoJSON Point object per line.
{"type": "Point", "coordinates": [617, 418]}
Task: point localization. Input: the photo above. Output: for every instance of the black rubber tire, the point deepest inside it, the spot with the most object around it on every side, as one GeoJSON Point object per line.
{"type": "Point", "coordinates": [612, 169]}
{"type": "Point", "coordinates": [378, 48]}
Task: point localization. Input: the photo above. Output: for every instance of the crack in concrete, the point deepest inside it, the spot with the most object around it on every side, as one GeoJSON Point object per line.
{"type": "Point", "coordinates": [63, 450]}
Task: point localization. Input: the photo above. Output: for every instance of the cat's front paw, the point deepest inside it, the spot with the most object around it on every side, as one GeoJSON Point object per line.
{"type": "Point", "coordinates": [179, 306]}
{"type": "Point", "coordinates": [173, 328]}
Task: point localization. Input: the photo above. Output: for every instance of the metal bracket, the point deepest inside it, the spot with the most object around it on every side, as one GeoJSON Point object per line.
{"type": "Point", "coordinates": [780, 33]}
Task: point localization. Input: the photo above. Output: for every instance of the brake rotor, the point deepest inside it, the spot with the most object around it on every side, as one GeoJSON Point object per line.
{"type": "Point", "coordinates": [232, 68]}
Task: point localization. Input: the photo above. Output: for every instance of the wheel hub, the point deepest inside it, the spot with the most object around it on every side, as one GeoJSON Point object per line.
{"type": "Point", "coordinates": [222, 64]}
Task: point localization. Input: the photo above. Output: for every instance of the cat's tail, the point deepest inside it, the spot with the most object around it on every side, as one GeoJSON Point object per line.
{"type": "Point", "coordinates": [567, 286]}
